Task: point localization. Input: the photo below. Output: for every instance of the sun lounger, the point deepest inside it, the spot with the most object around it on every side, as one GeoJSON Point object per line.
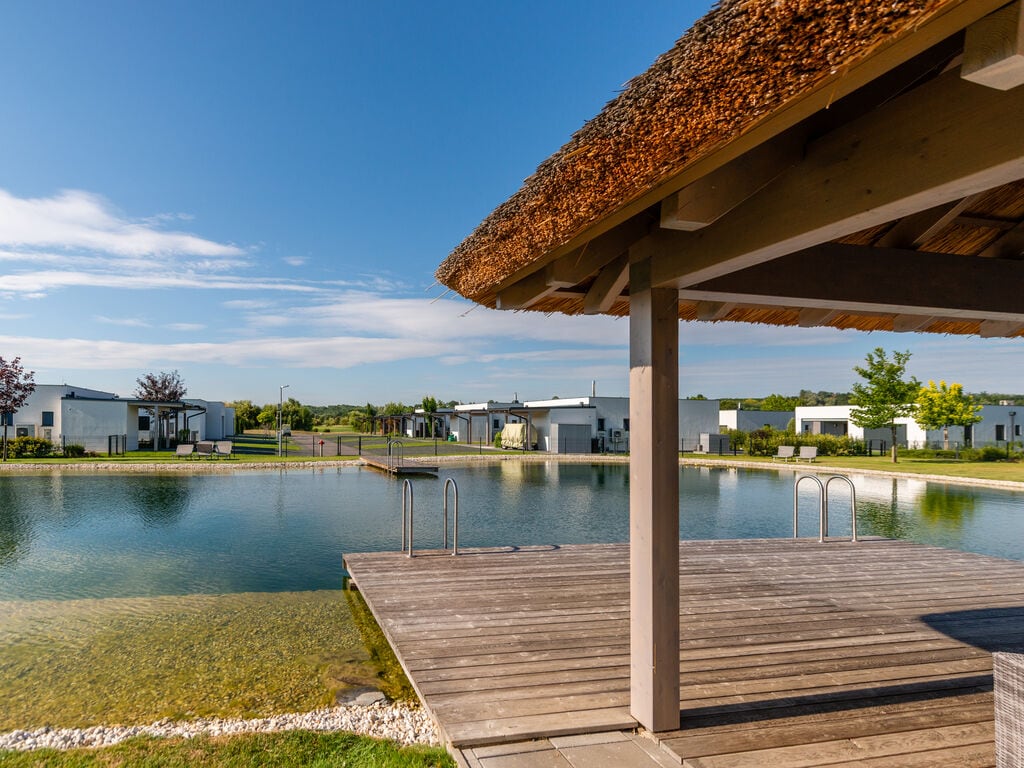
{"type": "Point", "coordinates": [785, 453]}
{"type": "Point", "coordinates": [184, 450]}
{"type": "Point", "coordinates": [205, 448]}
{"type": "Point", "coordinates": [808, 453]}
{"type": "Point", "coordinates": [223, 448]}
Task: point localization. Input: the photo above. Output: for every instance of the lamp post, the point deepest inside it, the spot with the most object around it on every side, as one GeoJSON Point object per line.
{"type": "Point", "coordinates": [280, 418]}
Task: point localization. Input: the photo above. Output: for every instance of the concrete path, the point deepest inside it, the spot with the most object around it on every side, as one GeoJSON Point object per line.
{"type": "Point", "coordinates": [615, 749]}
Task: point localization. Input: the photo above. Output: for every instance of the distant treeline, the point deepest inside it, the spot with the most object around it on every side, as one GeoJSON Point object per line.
{"type": "Point", "coordinates": [808, 397]}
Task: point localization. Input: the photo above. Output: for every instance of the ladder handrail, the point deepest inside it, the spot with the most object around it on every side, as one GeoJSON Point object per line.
{"type": "Point", "coordinates": [407, 486]}
{"type": "Point", "coordinates": [853, 503]}
{"type": "Point", "coordinates": [393, 455]}
{"type": "Point", "coordinates": [821, 505]}
{"type": "Point", "coordinates": [455, 528]}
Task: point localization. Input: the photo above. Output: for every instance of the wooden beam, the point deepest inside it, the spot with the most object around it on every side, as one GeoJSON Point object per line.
{"type": "Point", "coordinates": [530, 290]}
{"type": "Point", "coordinates": [713, 310]}
{"type": "Point", "coordinates": [940, 142]}
{"type": "Point", "coordinates": [910, 323]}
{"type": "Point", "coordinates": [653, 502]}
{"type": "Point", "coordinates": [994, 49]}
{"type": "Point", "coordinates": [706, 200]}
{"type": "Point", "coordinates": [994, 329]}
{"type": "Point", "coordinates": [1010, 245]}
{"type": "Point", "coordinates": [812, 317]}
{"type": "Point", "coordinates": [606, 289]}
{"type": "Point", "coordinates": [577, 266]}
{"type": "Point", "coordinates": [852, 278]}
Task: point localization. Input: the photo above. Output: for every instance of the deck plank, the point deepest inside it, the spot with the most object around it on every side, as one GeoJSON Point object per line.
{"type": "Point", "coordinates": [792, 652]}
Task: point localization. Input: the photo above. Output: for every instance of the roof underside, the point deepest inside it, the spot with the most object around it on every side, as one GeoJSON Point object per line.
{"type": "Point", "coordinates": [850, 163]}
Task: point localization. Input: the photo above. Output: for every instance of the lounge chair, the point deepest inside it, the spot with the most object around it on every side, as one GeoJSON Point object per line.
{"type": "Point", "coordinates": [223, 448]}
{"type": "Point", "coordinates": [184, 450]}
{"type": "Point", "coordinates": [785, 453]}
{"type": "Point", "coordinates": [205, 448]}
{"type": "Point", "coordinates": [808, 453]}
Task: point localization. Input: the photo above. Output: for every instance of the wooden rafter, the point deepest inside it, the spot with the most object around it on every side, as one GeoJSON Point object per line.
{"type": "Point", "coordinates": [955, 139]}
{"type": "Point", "coordinates": [864, 279]}
{"type": "Point", "coordinates": [607, 287]}
{"type": "Point", "coordinates": [994, 49]}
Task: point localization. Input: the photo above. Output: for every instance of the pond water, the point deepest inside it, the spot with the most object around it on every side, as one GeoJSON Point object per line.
{"type": "Point", "coordinates": [67, 536]}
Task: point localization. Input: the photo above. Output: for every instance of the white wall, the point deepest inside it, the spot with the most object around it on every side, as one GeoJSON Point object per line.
{"type": "Point", "coordinates": [748, 421]}
{"type": "Point", "coordinates": [90, 422]}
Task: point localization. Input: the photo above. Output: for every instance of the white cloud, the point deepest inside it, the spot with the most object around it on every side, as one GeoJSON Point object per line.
{"type": "Point", "coordinates": [127, 322]}
{"type": "Point", "coordinates": [75, 219]}
{"type": "Point", "coordinates": [295, 261]}
{"type": "Point", "coordinates": [185, 326]}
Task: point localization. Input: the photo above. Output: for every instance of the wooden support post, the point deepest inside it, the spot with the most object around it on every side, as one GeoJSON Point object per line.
{"type": "Point", "coordinates": [654, 501]}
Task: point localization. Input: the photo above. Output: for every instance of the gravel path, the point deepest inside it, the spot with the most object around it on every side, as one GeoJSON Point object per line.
{"type": "Point", "coordinates": [397, 722]}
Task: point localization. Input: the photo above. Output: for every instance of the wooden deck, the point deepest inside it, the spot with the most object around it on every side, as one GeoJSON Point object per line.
{"type": "Point", "coordinates": [408, 467]}
{"type": "Point", "coordinates": [794, 653]}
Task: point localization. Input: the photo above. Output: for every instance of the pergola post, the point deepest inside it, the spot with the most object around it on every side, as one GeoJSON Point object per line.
{"type": "Point", "coordinates": [654, 501]}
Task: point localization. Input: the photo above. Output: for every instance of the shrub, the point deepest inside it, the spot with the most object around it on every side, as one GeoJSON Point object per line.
{"type": "Point", "coordinates": [74, 450]}
{"type": "Point", "coordinates": [991, 453]}
{"type": "Point", "coordinates": [30, 448]}
{"type": "Point", "coordinates": [497, 439]}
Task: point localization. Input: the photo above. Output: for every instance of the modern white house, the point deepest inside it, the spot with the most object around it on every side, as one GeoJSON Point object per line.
{"type": "Point", "coordinates": [576, 424]}
{"type": "Point", "coordinates": [748, 421]}
{"type": "Point", "coordinates": [103, 422]}
{"type": "Point", "coordinates": [998, 423]}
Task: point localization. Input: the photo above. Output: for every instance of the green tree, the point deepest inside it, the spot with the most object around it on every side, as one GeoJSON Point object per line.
{"type": "Point", "coordinates": [779, 403]}
{"type": "Point", "coordinates": [15, 387]}
{"type": "Point", "coordinates": [728, 404]}
{"type": "Point", "coordinates": [267, 417]}
{"type": "Point", "coordinates": [246, 415]}
{"type": "Point", "coordinates": [885, 395]}
{"type": "Point", "coordinates": [944, 406]}
{"type": "Point", "coordinates": [430, 406]}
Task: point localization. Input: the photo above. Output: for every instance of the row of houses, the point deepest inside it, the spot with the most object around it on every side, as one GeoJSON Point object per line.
{"type": "Point", "coordinates": [601, 424]}
{"type": "Point", "coordinates": [103, 422]}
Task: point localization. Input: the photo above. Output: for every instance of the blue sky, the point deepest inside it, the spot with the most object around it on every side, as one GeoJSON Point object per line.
{"type": "Point", "coordinates": [257, 194]}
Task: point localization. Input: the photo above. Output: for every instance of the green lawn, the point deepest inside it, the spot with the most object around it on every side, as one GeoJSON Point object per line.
{"type": "Point", "coordinates": [982, 470]}
{"type": "Point", "coordinates": [285, 750]}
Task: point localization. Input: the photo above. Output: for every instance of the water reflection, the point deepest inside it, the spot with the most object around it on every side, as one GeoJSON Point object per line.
{"type": "Point", "coordinates": [162, 502]}
{"type": "Point", "coordinates": [102, 536]}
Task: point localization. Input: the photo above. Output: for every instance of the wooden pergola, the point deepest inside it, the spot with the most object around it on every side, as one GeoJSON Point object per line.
{"type": "Point", "coordinates": [844, 163]}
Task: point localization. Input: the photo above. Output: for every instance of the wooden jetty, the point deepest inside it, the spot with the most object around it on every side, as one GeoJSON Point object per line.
{"type": "Point", "coordinates": [793, 653]}
{"type": "Point", "coordinates": [392, 467]}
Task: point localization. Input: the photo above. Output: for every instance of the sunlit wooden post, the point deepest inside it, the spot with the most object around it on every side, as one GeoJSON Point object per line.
{"type": "Point", "coordinates": [654, 501]}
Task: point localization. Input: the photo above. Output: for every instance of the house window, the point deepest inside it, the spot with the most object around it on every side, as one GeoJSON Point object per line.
{"type": "Point", "coordinates": [625, 424]}
{"type": "Point", "coordinates": [496, 424]}
{"type": "Point", "coordinates": [47, 419]}
{"type": "Point", "coordinates": [1000, 432]}
{"type": "Point", "coordinates": [1016, 430]}
{"type": "Point", "coordinates": [600, 425]}
{"type": "Point", "coordinates": [144, 423]}
{"type": "Point", "coordinates": [6, 419]}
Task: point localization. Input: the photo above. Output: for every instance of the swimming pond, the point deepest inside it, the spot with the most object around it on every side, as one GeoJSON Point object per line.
{"type": "Point", "coordinates": [67, 536]}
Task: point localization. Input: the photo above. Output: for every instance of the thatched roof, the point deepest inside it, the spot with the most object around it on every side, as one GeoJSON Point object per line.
{"type": "Point", "coordinates": [747, 72]}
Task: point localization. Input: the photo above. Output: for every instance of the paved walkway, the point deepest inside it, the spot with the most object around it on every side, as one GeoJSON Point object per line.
{"type": "Point", "coordinates": [614, 749]}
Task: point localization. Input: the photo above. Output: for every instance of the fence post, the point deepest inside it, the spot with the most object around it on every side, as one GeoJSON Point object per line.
{"type": "Point", "coordinates": [360, 438]}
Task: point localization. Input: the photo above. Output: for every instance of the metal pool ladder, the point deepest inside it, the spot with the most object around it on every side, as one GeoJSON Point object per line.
{"type": "Point", "coordinates": [823, 504]}
{"type": "Point", "coordinates": [396, 456]}
{"type": "Point", "coordinates": [407, 516]}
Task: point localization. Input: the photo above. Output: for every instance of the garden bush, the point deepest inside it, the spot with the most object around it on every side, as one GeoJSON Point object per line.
{"type": "Point", "coordinates": [74, 450]}
{"type": "Point", "coordinates": [497, 439]}
{"type": "Point", "coordinates": [30, 448]}
{"type": "Point", "coordinates": [991, 453]}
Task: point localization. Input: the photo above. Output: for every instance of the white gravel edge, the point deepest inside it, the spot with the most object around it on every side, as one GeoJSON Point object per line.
{"type": "Point", "coordinates": [397, 722]}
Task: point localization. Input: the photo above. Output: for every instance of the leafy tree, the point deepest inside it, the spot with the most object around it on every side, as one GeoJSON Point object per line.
{"type": "Point", "coordinates": [728, 404]}
{"type": "Point", "coordinates": [296, 414]}
{"type": "Point", "coordinates": [246, 415]}
{"type": "Point", "coordinates": [779, 403]}
{"type": "Point", "coordinates": [430, 406]}
{"type": "Point", "coordinates": [267, 417]}
{"type": "Point", "coordinates": [885, 395]}
{"type": "Point", "coordinates": [944, 406]}
{"type": "Point", "coordinates": [15, 387]}
{"type": "Point", "coordinates": [160, 387]}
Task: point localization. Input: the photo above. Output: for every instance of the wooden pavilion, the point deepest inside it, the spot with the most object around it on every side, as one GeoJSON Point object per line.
{"type": "Point", "coordinates": [844, 163]}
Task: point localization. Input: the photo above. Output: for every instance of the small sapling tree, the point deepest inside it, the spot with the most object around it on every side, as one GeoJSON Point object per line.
{"type": "Point", "coordinates": [884, 395]}
{"type": "Point", "coordinates": [16, 384]}
{"type": "Point", "coordinates": [944, 406]}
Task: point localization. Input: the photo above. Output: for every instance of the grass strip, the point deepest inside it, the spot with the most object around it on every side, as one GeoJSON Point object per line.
{"type": "Point", "coordinates": [292, 748]}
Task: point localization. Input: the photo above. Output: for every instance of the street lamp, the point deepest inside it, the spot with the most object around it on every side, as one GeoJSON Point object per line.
{"type": "Point", "coordinates": [280, 418]}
